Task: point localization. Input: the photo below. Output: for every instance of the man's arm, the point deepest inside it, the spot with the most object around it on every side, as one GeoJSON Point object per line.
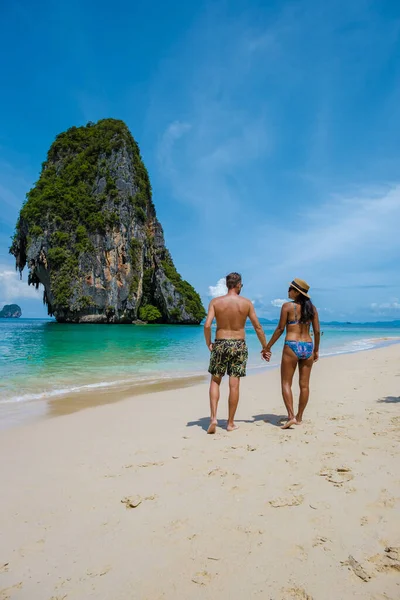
{"type": "Point", "coordinates": [257, 327]}
{"type": "Point", "coordinates": [279, 330]}
{"type": "Point", "coordinates": [208, 323]}
{"type": "Point", "coordinates": [317, 334]}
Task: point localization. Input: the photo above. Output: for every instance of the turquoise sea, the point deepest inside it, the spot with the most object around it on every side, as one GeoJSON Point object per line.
{"type": "Point", "coordinates": [44, 360]}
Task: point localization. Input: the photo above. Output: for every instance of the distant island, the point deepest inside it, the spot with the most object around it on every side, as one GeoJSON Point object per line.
{"type": "Point", "coordinates": [89, 234]}
{"type": "Point", "coordinates": [10, 311]}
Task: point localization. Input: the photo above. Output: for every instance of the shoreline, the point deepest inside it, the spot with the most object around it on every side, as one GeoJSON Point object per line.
{"type": "Point", "coordinates": [210, 508]}
{"type": "Point", "coordinates": [52, 404]}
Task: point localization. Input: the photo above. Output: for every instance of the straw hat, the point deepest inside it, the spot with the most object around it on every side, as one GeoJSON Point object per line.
{"type": "Point", "coordinates": [301, 286]}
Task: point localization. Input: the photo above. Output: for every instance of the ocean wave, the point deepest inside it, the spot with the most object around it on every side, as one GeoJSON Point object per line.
{"type": "Point", "coordinates": [74, 389]}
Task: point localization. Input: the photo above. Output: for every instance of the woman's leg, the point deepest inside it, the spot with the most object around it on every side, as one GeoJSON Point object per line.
{"type": "Point", "coordinates": [305, 367]}
{"type": "Point", "coordinates": [288, 367]}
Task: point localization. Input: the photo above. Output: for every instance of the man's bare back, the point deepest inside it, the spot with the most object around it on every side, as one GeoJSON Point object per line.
{"type": "Point", "coordinates": [231, 313]}
{"type": "Point", "coordinates": [229, 351]}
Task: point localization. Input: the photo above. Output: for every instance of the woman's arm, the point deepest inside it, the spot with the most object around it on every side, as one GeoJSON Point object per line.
{"type": "Point", "coordinates": [280, 329]}
{"type": "Point", "coordinates": [317, 334]}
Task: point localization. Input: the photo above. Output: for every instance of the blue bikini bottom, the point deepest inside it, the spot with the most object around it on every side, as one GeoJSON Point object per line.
{"type": "Point", "coordinates": [302, 350]}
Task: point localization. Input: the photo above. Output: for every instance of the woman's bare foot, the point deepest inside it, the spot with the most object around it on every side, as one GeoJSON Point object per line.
{"type": "Point", "coordinates": [213, 427]}
{"type": "Point", "coordinates": [232, 427]}
{"type": "Point", "coordinates": [289, 423]}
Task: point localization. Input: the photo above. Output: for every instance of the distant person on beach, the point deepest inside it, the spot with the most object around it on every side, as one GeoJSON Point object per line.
{"type": "Point", "coordinates": [229, 351]}
{"type": "Point", "coordinates": [296, 316]}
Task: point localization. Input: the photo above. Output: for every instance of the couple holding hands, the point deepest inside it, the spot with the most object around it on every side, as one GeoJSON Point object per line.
{"type": "Point", "coordinates": [229, 351]}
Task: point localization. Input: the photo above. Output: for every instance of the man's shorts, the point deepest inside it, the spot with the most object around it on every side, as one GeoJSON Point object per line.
{"type": "Point", "coordinates": [228, 356]}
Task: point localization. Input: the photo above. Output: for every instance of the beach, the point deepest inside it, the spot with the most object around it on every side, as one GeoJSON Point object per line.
{"type": "Point", "coordinates": [42, 362]}
{"type": "Point", "coordinates": [132, 500]}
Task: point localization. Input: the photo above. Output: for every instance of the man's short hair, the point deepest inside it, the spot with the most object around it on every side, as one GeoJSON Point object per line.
{"type": "Point", "coordinates": [232, 280]}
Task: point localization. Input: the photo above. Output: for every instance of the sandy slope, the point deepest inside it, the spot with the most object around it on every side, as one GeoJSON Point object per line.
{"type": "Point", "coordinates": [258, 513]}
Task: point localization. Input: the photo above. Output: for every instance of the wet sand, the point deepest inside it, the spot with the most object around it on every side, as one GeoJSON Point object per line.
{"type": "Point", "coordinates": [133, 500]}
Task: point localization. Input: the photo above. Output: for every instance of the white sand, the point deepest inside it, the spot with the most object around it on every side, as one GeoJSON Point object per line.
{"type": "Point", "coordinates": [257, 513]}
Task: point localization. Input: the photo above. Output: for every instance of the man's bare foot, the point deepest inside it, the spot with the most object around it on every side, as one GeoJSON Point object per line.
{"type": "Point", "coordinates": [213, 427]}
{"type": "Point", "coordinates": [289, 423]}
{"type": "Point", "coordinates": [299, 421]}
{"type": "Point", "coordinates": [232, 427]}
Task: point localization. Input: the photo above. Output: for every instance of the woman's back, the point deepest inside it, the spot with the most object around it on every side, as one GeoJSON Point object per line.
{"type": "Point", "coordinates": [295, 330]}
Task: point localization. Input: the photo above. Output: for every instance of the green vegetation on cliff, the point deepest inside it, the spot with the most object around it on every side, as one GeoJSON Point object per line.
{"type": "Point", "coordinates": [64, 198]}
{"type": "Point", "coordinates": [192, 300]}
{"type": "Point", "coordinates": [149, 313]}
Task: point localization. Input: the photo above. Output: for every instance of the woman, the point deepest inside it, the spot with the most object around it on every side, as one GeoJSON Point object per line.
{"type": "Point", "coordinates": [296, 316]}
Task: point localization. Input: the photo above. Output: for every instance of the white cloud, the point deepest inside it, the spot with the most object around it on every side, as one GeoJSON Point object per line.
{"type": "Point", "coordinates": [348, 240]}
{"type": "Point", "coordinates": [12, 288]}
{"type": "Point", "coordinates": [278, 302]}
{"type": "Point", "coordinates": [393, 305]}
{"type": "Point", "coordinates": [219, 289]}
{"type": "Point", "coordinates": [174, 131]}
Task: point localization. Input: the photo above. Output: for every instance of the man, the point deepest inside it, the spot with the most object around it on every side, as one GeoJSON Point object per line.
{"type": "Point", "coordinates": [229, 351]}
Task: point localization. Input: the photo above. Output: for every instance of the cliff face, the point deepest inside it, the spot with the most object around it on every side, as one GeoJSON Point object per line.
{"type": "Point", "coordinates": [10, 311]}
{"type": "Point", "coordinates": [89, 234]}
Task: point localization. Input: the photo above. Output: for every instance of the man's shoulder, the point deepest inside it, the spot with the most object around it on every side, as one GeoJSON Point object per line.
{"type": "Point", "coordinates": [217, 300]}
{"type": "Point", "coordinates": [246, 300]}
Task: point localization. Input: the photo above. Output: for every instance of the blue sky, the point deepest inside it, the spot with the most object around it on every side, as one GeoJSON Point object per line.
{"type": "Point", "coordinates": [270, 131]}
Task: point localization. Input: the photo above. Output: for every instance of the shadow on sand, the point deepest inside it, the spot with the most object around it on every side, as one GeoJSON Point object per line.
{"type": "Point", "coordinates": [390, 399]}
{"type": "Point", "coordinates": [269, 419]}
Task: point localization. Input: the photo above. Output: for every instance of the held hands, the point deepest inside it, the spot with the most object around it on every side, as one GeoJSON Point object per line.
{"type": "Point", "coordinates": [316, 356]}
{"type": "Point", "coordinates": [266, 354]}
{"type": "Point", "coordinates": [210, 347]}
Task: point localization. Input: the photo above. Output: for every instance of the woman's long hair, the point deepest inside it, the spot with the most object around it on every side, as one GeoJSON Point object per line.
{"type": "Point", "coordinates": [307, 308]}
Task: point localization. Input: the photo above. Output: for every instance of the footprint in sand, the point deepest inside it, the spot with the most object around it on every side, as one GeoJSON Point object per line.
{"type": "Point", "coordinates": [337, 476]}
{"type": "Point", "coordinates": [144, 465]}
{"type": "Point", "coordinates": [100, 572]}
{"type": "Point", "coordinates": [299, 552]}
{"type": "Point", "coordinates": [136, 500]}
{"type": "Point", "coordinates": [388, 561]}
{"type": "Point", "coordinates": [385, 500]}
{"type": "Point", "coordinates": [218, 472]}
{"type": "Point", "coordinates": [295, 593]}
{"type": "Point", "coordinates": [175, 525]}
{"type": "Point", "coordinates": [357, 568]}
{"type": "Point", "coordinates": [202, 578]}
{"type": "Point", "coordinates": [132, 501]}
{"type": "Point", "coordinates": [251, 448]}
{"type": "Point", "coordinates": [321, 541]}
{"type": "Point", "coordinates": [288, 501]}
{"type": "Point", "coordinates": [7, 593]}
{"type": "Point", "coordinates": [295, 487]}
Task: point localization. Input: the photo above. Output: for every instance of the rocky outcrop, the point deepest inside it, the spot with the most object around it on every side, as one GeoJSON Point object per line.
{"type": "Point", "coordinates": [10, 311]}
{"type": "Point", "coordinates": [89, 234]}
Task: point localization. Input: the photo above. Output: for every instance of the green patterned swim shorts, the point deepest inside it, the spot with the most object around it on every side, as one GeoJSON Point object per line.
{"type": "Point", "coordinates": [228, 356]}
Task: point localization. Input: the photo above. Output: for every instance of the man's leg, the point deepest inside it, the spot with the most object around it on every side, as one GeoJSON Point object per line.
{"type": "Point", "coordinates": [288, 367]}
{"type": "Point", "coordinates": [234, 384]}
{"type": "Point", "coordinates": [214, 397]}
{"type": "Point", "coordinates": [305, 367]}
